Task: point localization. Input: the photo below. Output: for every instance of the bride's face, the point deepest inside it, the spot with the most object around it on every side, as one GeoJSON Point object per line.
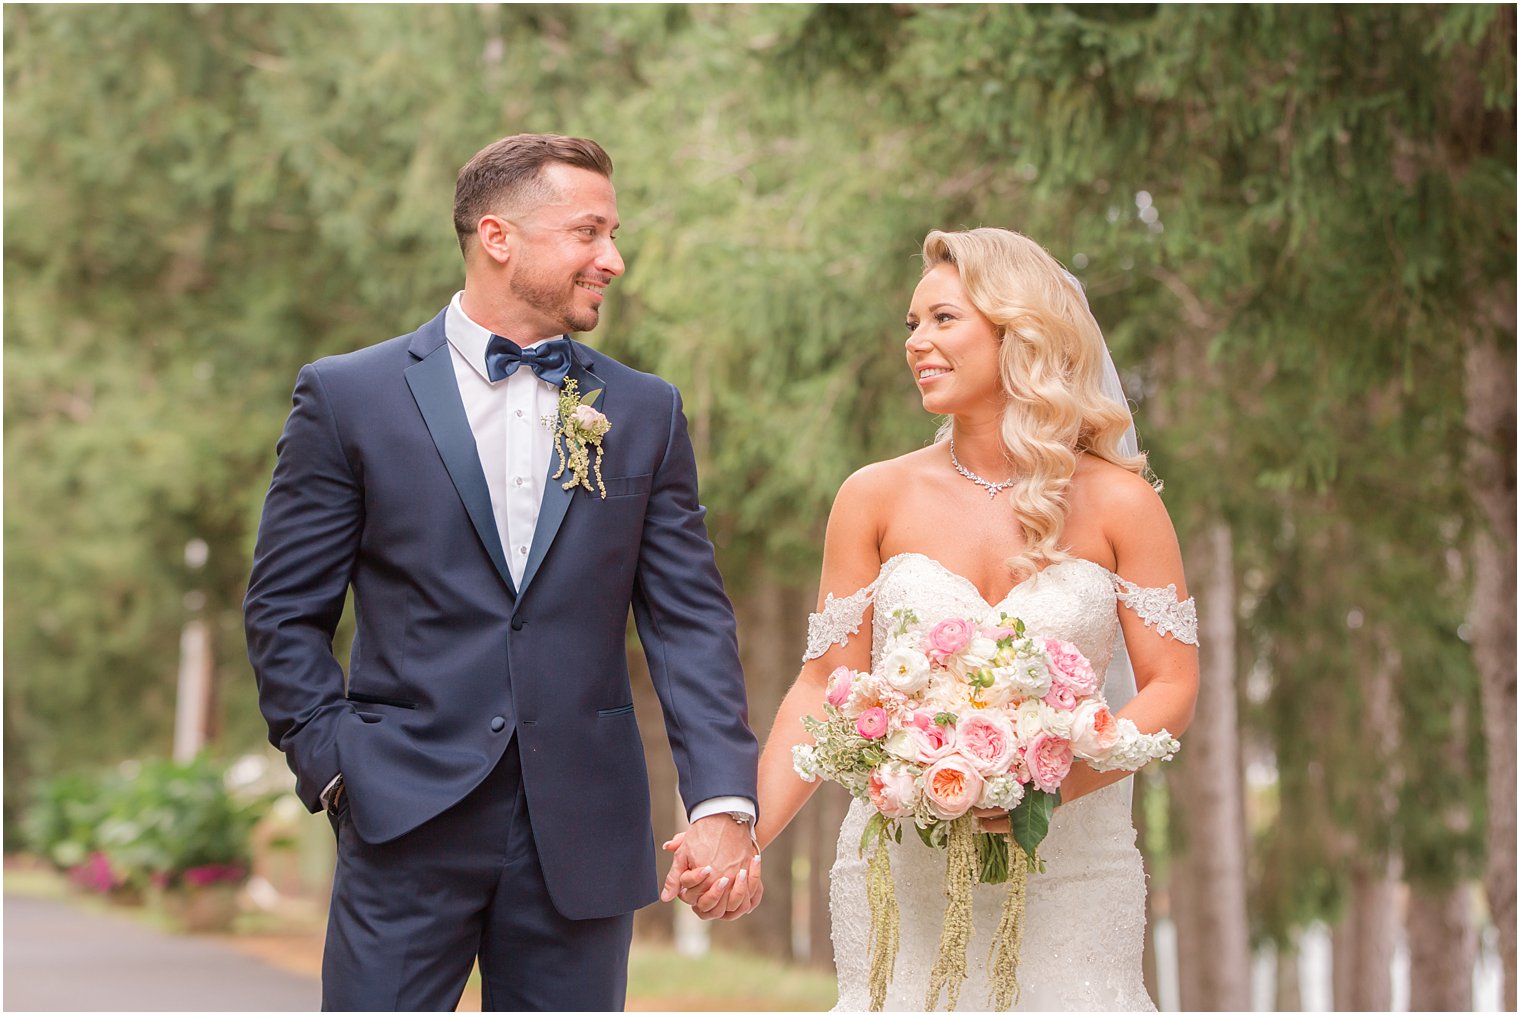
{"type": "Point", "coordinates": [952, 349]}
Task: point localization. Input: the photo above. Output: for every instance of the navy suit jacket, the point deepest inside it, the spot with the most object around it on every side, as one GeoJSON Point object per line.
{"type": "Point", "coordinates": [378, 486]}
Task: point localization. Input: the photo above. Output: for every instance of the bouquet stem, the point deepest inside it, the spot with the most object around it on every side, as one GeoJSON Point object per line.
{"type": "Point", "coordinates": [885, 925]}
{"type": "Point", "coordinates": [1004, 955]}
{"type": "Point", "coordinates": [960, 876]}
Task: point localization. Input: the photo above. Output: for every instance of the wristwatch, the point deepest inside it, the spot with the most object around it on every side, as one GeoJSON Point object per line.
{"type": "Point", "coordinates": [744, 818]}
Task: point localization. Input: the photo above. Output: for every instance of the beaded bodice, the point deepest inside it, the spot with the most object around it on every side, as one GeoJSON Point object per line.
{"type": "Point", "coordinates": [1086, 911]}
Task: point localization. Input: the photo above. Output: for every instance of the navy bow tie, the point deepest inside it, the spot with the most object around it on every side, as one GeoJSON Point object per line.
{"type": "Point", "coordinates": [549, 360]}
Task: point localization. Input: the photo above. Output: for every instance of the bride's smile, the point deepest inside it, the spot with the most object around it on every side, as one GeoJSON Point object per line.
{"type": "Point", "coordinates": [952, 348]}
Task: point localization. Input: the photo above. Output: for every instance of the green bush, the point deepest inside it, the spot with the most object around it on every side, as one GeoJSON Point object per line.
{"type": "Point", "coordinates": [160, 822]}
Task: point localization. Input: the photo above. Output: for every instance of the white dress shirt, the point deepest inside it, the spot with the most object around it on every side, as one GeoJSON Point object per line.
{"type": "Point", "coordinates": [506, 418]}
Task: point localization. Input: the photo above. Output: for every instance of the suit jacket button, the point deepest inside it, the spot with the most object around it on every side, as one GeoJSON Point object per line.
{"type": "Point", "coordinates": [517, 623]}
{"type": "Point", "coordinates": [498, 724]}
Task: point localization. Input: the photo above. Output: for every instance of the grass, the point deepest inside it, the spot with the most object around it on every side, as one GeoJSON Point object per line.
{"type": "Point", "coordinates": [662, 979]}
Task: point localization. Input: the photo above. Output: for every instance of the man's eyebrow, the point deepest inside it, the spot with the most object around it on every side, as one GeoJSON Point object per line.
{"type": "Point", "coordinates": [592, 216]}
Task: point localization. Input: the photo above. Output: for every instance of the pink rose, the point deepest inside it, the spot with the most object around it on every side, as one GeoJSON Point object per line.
{"type": "Point", "coordinates": [872, 723]}
{"type": "Point", "coordinates": [1094, 730]}
{"type": "Point", "coordinates": [986, 740]}
{"type": "Point", "coordinates": [1019, 769]}
{"type": "Point", "coordinates": [1070, 667]}
{"type": "Point", "coordinates": [947, 638]}
{"type": "Point", "coordinates": [1060, 696]}
{"type": "Point", "coordinates": [932, 740]}
{"type": "Point", "coordinates": [1049, 759]}
{"type": "Point", "coordinates": [893, 792]}
{"type": "Point", "coordinates": [586, 417]}
{"type": "Point", "coordinates": [952, 787]}
{"type": "Point", "coordinates": [840, 682]}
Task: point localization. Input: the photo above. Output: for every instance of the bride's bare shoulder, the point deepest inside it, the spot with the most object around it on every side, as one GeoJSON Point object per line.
{"type": "Point", "coordinates": [865, 497]}
{"type": "Point", "coordinates": [1123, 502]}
{"type": "Point", "coordinates": [884, 476]}
{"type": "Point", "coordinates": [1112, 484]}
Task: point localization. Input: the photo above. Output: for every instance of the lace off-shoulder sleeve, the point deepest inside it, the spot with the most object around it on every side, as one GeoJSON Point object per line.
{"type": "Point", "coordinates": [839, 619]}
{"type": "Point", "coordinates": [1159, 609]}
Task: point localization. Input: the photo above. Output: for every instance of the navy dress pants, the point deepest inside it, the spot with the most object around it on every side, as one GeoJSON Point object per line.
{"type": "Point", "coordinates": [409, 917]}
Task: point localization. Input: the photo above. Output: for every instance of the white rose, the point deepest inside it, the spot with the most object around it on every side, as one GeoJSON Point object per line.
{"type": "Point", "coordinates": [906, 669]}
{"type": "Point", "coordinates": [1057, 721]}
{"type": "Point", "coordinates": [900, 744]}
{"type": "Point", "coordinates": [1026, 720]}
{"type": "Point", "coordinates": [945, 693]}
{"type": "Point", "coordinates": [978, 654]}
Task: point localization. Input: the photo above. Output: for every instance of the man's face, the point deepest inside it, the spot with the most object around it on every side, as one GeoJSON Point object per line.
{"type": "Point", "coordinates": [563, 252]}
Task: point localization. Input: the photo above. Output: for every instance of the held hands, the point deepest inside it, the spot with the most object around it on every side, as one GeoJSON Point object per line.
{"type": "Point", "coordinates": [716, 869]}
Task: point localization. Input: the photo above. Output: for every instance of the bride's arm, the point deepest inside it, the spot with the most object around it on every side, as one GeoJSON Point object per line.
{"type": "Point", "coordinates": [1166, 669]}
{"type": "Point", "coordinates": [851, 561]}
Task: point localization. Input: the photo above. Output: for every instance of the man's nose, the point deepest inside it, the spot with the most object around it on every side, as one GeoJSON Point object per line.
{"type": "Point", "coordinates": [610, 260]}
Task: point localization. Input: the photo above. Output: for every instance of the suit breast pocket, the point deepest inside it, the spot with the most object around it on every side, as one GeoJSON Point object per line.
{"type": "Point", "coordinates": [627, 486]}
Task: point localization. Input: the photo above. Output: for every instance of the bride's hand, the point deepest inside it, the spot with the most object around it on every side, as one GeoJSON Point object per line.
{"type": "Point", "coordinates": [991, 819]}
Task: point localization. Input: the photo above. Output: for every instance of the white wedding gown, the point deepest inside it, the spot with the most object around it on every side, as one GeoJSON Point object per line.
{"type": "Point", "coordinates": [1085, 918]}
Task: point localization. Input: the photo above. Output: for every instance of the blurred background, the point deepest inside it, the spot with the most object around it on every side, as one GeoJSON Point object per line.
{"type": "Point", "coordinates": [1295, 225]}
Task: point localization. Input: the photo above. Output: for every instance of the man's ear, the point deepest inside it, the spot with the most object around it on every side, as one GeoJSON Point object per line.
{"type": "Point", "coordinates": [493, 233]}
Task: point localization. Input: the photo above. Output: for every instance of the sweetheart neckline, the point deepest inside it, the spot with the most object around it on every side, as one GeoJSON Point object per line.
{"type": "Point", "coordinates": [971, 585]}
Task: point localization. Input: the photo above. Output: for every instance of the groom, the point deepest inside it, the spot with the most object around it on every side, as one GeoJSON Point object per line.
{"type": "Point", "coordinates": [481, 763]}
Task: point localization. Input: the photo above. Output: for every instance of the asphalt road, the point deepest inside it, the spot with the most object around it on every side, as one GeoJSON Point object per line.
{"type": "Point", "coordinates": [62, 958]}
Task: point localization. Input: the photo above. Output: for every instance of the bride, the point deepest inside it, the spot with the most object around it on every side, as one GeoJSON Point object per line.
{"type": "Point", "coordinates": [1031, 504]}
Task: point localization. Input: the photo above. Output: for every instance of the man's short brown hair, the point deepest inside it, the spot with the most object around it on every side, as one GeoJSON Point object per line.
{"type": "Point", "coordinates": [505, 173]}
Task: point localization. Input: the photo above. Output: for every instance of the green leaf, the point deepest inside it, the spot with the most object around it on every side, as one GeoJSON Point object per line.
{"type": "Point", "coordinates": [1031, 820]}
{"type": "Point", "coordinates": [590, 396]}
{"type": "Point", "coordinates": [876, 827]}
{"type": "Point", "coordinates": [926, 834]}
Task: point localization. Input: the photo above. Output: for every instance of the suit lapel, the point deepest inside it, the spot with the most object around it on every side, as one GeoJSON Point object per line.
{"type": "Point", "coordinates": [551, 511]}
{"type": "Point", "coordinates": [437, 394]}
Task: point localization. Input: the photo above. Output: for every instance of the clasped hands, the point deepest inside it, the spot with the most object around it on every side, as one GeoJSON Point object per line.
{"type": "Point", "coordinates": [716, 869]}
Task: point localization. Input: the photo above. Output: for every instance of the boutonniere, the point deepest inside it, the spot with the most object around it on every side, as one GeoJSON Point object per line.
{"type": "Point", "coordinates": [578, 430]}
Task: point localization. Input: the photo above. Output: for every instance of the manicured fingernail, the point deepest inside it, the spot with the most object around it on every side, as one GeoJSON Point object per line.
{"type": "Point", "coordinates": [757, 857]}
{"type": "Point", "coordinates": [723, 882]}
{"type": "Point", "coordinates": [743, 875]}
{"type": "Point", "coordinates": [707, 869]}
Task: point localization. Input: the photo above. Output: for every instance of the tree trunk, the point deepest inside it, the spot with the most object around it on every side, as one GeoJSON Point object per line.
{"type": "Point", "coordinates": [773, 634]}
{"type": "Point", "coordinates": [1363, 942]}
{"type": "Point", "coordinates": [1288, 989]}
{"type": "Point", "coordinates": [656, 922]}
{"type": "Point", "coordinates": [1209, 886]}
{"type": "Point", "coordinates": [1154, 887]}
{"type": "Point", "coordinates": [1443, 947]}
{"type": "Point", "coordinates": [1490, 391]}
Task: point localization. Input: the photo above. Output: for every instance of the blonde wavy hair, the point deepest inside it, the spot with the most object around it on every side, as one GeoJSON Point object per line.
{"type": "Point", "coordinates": [1050, 363]}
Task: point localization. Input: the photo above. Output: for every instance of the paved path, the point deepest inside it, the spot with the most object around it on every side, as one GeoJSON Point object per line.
{"type": "Point", "coordinates": [59, 957]}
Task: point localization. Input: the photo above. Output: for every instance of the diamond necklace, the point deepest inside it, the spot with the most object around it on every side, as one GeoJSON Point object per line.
{"type": "Point", "coordinates": [993, 489]}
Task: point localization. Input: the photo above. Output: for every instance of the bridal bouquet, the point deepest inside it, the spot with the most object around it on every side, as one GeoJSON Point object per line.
{"type": "Point", "coordinates": [965, 713]}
